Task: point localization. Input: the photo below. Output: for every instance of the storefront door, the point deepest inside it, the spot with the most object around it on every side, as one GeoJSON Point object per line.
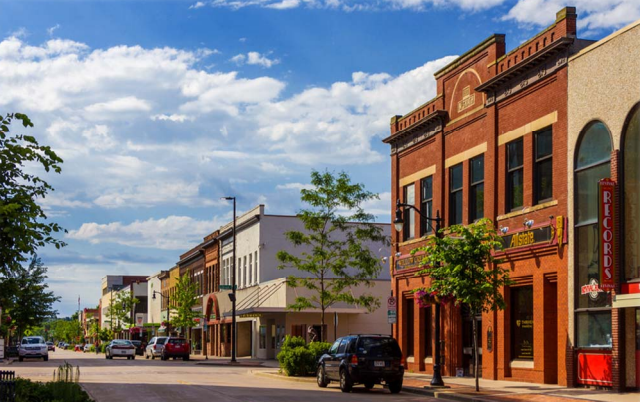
{"type": "Point", "coordinates": [638, 347]}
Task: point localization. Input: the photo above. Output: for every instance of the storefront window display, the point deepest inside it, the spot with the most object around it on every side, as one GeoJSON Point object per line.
{"type": "Point", "coordinates": [593, 305]}
{"type": "Point", "coordinates": [522, 346]}
{"type": "Point", "coordinates": [632, 197]}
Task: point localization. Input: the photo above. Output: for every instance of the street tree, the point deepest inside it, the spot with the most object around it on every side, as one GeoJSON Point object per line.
{"type": "Point", "coordinates": [120, 310]}
{"type": "Point", "coordinates": [334, 255]}
{"type": "Point", "coordinates": [462, 268]}
{"type": "Point", "coordinates": [23, 223]}
{"type": "Point", "coordinates": [25, 293]}
{"type": "Point", "coordinates": [182, 303]}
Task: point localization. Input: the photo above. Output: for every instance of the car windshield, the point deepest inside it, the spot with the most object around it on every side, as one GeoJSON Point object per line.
{"type": "Point", "coordinates": [122, 343]}
{"type": "Point", "coordinates": [379, 346]}
{"type": "Point", "coordinates": [177, 342]}
{"type": "Point", "coordinates": [49, 343]}
{"type": "Point", "coordinates": [31, 341]}
{"type": "Point", "coordinates": [137, 343]}
{"type": "Point", "coordinates": [161, 341]}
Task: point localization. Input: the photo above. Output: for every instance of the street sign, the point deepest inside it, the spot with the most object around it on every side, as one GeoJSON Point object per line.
{"type": "Point", "coordinates": [391, 316]}
{"type": "Point", "coordinates": [391, 303]}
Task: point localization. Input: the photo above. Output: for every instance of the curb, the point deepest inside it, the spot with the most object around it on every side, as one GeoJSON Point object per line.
{"type": "Point", "coordinates": [204, 363]}
{"type": "Point", "coordinates": [448, 395]}
{"type": "Point", "coordinates": [93, 398]}
{"type": "Point", "coordinates": [272, 374]}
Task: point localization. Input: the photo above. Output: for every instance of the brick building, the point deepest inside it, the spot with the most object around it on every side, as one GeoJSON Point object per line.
{"type": "Point", "coordinates": [492, 143]}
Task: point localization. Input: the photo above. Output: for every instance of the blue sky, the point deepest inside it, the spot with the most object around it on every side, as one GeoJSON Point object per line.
{"type": "Point", "coordinates": [159, 108]}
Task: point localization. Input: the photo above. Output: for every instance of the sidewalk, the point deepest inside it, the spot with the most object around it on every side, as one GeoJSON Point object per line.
{"type": "Point", "coordinates": [463, 389]}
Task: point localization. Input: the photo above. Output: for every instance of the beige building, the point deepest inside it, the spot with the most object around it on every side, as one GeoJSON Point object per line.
{"type": "Point", "coordinates": [604, 142]}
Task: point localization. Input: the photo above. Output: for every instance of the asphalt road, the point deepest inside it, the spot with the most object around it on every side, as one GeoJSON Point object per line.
{"type": "Point", "coordinates": [143, 380]}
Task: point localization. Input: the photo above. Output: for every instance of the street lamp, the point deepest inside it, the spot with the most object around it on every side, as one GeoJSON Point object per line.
{"type": "Point", "coordinates": [398, 223]}
{"type": "Point", "coordinates": [232, 296]}
{"type": "Point", "coordinates": [153, 296]}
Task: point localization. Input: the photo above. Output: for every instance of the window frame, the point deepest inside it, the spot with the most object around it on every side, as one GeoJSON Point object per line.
{"type": "Point", "coordinates": [512, 171]}
{"type": "Point", "coordinates": [409, 228]}
{"type": "Point", "coordinates": [426, 206]}
{"type": "Point", "coordinates": [537, 162]}
{"type": "Point", "coordinates": [473, 186]}
{"type": "Point", "coordinates": [453, 195]}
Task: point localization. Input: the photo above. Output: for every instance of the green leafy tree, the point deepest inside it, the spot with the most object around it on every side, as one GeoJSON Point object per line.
{"type": "Point", "coordinates": [119, 310]}
{"type": "Point", "coordinates": [462, 267]}
{"type": "Point", "coordinates": [334, 256]}
{"type": "Point", "coordinates": [65, 329]}
{"type": "Point", "coordinates": [30, 302]}
{"type": "Point", "coordinates": [182, 302]}
{"type": "Point", "coordinates": [23, 226]}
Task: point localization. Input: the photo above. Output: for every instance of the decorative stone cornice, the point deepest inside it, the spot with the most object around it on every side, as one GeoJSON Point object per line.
{"type": "Point", "coordinates": [425, 128]}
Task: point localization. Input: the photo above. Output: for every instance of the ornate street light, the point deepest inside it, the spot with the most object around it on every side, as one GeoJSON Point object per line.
{"type": "Point", "coordinates": [398, 223]}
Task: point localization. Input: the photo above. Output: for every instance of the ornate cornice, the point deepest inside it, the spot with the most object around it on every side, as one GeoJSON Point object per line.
{"type": "Point", "coordinates": [425, 128]}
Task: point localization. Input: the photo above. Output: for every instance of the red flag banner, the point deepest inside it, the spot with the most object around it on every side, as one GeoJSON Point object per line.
{"type": "Point", "coordinates": [606, 205]}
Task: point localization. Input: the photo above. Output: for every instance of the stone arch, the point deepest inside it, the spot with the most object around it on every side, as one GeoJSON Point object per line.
{"type": "Point", "coordinates": [212, 307]}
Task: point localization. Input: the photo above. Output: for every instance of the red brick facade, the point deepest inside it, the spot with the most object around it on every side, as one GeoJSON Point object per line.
{"type": "Point", "coordinates": [487, 99]}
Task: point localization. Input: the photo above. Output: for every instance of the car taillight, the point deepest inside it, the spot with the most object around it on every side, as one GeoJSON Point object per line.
{"type": "Point", "coordinates": [354, 360]}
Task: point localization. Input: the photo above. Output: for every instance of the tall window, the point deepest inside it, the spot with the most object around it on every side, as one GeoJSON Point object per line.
{"type": "Point", "coordinates": [244, 272]}
{"type": "Point", "coordinates": [250, 281]}
{"type": "Point", "coordinates": [543, 168]}
{"type": "Point", "coordinates": [593, 309]}
{"type": "Point", "coordinates": [632, 197]}
{"type": "Point", "coordinates": [476, 198]}
{"type": "Point", "coordinates": [409, 213]}
{"type": "Point", "coordinates": [515, 170]}
{"type": "Point", "coordinates": [521, 306]}
{"type": "Point", "coordinates": [455, 194]}
{"type": "Point", "coordinates": [255, 266]}
{"type": "Point", "coordinates": [426, 204]}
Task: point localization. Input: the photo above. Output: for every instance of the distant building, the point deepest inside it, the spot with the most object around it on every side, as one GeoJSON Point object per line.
{"type": "Point", "coordinates": [110, 285]}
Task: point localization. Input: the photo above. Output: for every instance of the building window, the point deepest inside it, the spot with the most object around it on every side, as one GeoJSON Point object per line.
{"type": "Point", "coordinates": [409, 213]}
{"type": "Point", "coordinates": [263, 337]}
{"type": "Point", "coordinates": [255, 266]}
{"type": "Point", "coordinates": [244, 272]}
{"type": "Point", "coordinates": [522, 323]}
{"type": "Point", "coordinates": [455, 195]}
{"type": "Point", "coordinates": [426, 204]}
{"type": "Point", "coordinates": [409, 306]}
{"type": "Point", "coordinates": [632, 197]}
{"type": "Point", "coordinates": [476, 190]}
{"type": "Point", "coordinates": [543, 168]}
{"type": "Point", "coordinates": [593, 309]}
{"type": "Point", "coordinates": [515, 177]}
{"type": "Point", "coordinates": [250, 280]}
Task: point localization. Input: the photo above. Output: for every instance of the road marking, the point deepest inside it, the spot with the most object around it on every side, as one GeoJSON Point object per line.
{"type": "Point", "coordinates": [184, 382]}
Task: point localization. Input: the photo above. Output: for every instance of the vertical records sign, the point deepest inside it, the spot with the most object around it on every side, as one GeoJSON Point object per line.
{"type": "Point", "coordinates": [606, 206]}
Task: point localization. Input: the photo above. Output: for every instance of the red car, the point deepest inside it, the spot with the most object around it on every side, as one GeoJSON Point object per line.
{"type": "Point", "coordinates": [176, 347]}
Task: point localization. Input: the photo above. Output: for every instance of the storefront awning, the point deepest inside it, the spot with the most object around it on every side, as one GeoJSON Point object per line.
{"type": "Point", "coordinates": [626, 300]}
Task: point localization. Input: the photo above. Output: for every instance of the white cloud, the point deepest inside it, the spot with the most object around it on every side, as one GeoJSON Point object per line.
{"type": "Point", "coordinates": [294, 186]}
{"type": "Point", "coordinates": [197, 5]}
{"type": "Point", "coordinates": [284, 4]}
{"type": "Point", "coordinates": [593, 14]}
{"type": "Point", "coordinates": [52, 29]}
{"type": "Point", "coordinates": [99, 138]}
{"type": "Point", "coordinates": [357, 5]}
{"type": "Point", "coordinates": [177, 118]}
{"type": "Point", "coordinates": [126, 104]}
{"type": "Point", "coordinates": [172, 232]}
{"type": "Point", "coordinates": [254, 58]}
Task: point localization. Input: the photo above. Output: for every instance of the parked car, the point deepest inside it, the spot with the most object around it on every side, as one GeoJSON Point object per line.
{"type": "Point", "coordinates": [140, 347]}
{"type": "Point", "coordinates": [120, 348]}
{"type": "Point", "coordinates": [362, 359]}
{"type": "Point", "coordinates": [51, 346]}
{"type": "Point", "coordinates": [61, 345]}
{"type": "Point", "coordinates": [86, 348]}
{"type": "Point", "coordinates": [33, 346]}
{"type": "Point", "coordinates": [155, 346]}
{"type": "Point", "coordinates": [175, 347]}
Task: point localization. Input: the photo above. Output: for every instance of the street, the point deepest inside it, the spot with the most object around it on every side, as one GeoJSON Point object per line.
{"type": "Point", "coordinates": [143, 380]}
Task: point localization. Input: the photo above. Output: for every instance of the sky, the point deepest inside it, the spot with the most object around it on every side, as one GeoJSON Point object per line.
{"type": "Point", "coordinates": [159, 108]}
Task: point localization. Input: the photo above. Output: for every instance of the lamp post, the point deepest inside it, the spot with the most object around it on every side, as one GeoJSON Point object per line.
{"type": "Point", "coordinates": [232, 296]}
{"type": "Point", "coordinates": [398, 223]}
{"type": "Point", "coordinates": [165, 297]}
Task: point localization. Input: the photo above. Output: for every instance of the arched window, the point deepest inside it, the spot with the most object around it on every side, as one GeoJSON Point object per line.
{"type": "Point", "coordinates": [632, 196]}
{"type": "Point", "coordinates": [592, 309]}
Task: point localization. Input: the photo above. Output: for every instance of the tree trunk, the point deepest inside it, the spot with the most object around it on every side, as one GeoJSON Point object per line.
{"type": "Point", "coordinates": [322, 325]}
{"type": "Point", "coordinates": [475, 352]}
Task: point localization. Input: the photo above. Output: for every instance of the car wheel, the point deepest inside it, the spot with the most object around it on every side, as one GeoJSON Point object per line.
{"type": "Point", "coordinates": [146, 355]}
{"type": "Point", "coordinates": [163, 357]}
{"type": "Point", "coordinates": [345, 381]}
{"type": "Point", "coordinates": [321, 378]}
{"type": "Point", "coordinates": [133, 357]}
{"type": "Point", "coordinates": [395, 386]}
{"type": "Point", "coordinates": [186, 358]}
{"type": "Point", "coordinates": [20, 358]}
{"type": "Point", "coordinates": [369, 385]}
{"type": "Point", "coordinates": [153, 357]}
{"type": "Point", "coordinates": [46, 358]}
{"type": "Point", "coordinates": [106, 356]}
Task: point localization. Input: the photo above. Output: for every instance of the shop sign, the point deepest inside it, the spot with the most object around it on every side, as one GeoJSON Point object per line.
{"type": "Point", "coordinates": [250, 315]}
{"type": "Point", "coordinates": [413, 261]}
{"type": "Point", "coordinates": [527, 238]}
{"type": "Point", "coordinates": [606, 196]}
{"type": "Point", "coordinates": [212, 316]}
{"type": "Point", "coordinates": [592, 289]}
{"type": "Point", "coordinates": [139, 319]}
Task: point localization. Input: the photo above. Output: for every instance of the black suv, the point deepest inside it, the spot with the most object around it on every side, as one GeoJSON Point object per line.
{"type": "Point", "coordinates": [362, 359]}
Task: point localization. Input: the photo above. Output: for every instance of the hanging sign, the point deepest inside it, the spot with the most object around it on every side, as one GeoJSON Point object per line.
{"type": "Point", "coordinates": [606, 199]}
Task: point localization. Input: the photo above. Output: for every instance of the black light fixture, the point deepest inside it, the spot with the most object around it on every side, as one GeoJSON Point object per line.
{"type": "Point", "coordinates": [398, 223]}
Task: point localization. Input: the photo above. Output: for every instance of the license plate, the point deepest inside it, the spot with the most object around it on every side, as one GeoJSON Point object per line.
{"type": "Point", "coordinates": [123, 352]}
{"type": "Point", "coordinates": [378, 363]}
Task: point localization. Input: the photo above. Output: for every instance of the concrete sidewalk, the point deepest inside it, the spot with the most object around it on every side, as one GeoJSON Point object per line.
{"type": "Point", "coordinates": [463, 389]}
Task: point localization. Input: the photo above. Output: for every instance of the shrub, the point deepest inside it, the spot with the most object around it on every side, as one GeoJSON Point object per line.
{"type": "Point", "coordinates": [103, 347]}
{"type": "Point", "coordinates": [92, 348]}
{"type": "Point", "coordinates": [299, 359]}
{"type": "Point", "coordinates": [29, 391]}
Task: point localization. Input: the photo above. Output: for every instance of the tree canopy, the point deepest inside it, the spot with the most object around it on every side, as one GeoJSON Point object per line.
{"type": "Point", "coordinates": [182, 302]}
{"type": "Point", "coordinates": [334, 256]}
{"type": "Point", "coordinates": [23, 226]}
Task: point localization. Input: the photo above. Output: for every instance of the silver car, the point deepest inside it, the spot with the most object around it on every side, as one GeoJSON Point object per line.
{"type": "Point", "coordinates": [155, 347]}
{"type": "Point", "coordinates": [33, 346]}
